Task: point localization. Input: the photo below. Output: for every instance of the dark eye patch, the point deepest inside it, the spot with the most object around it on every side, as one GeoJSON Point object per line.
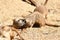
{"type": "Point", "coordinates": [21, 23]}
{"type": "Point", "coordinates": [23, 20]}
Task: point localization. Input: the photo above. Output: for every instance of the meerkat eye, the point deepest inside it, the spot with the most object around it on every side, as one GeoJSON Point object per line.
{"type": "Point", "coordinates": [24, 20]}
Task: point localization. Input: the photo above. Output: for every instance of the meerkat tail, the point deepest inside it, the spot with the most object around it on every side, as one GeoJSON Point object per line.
{"type": "Point", "coordinates": [51, 23]}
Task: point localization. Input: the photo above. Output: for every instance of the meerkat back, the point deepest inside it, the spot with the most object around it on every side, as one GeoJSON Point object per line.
{"type": "Point", "coordinates": [39, 18]}
{"type": "Point", "coordinates": [42, 9]}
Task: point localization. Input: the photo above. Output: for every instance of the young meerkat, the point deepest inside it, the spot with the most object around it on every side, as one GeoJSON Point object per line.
{"type": "Point", "coordinates": [38, 16]}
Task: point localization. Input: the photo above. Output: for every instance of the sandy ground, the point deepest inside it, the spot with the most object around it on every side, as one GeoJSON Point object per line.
{"type": "Point", "coordinates": [10, 9]}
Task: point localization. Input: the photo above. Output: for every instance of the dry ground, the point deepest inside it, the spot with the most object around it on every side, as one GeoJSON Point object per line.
{"type": "Point", "coordinates": [10, 9]}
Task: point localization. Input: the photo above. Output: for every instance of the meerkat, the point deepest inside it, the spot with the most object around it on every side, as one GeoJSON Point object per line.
{"type": "Point", "coordinates": [29, 20]}
{"type": "Point", "coordinates": [38, 15]}
{"type": "Point", "coordinates": [41, 8]}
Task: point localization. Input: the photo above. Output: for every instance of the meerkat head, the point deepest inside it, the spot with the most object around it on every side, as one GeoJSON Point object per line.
{"type": "Point", "coordinates": [19, 22]}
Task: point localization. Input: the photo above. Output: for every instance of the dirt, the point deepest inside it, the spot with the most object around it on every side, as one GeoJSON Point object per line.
{"type": "Point", "coordinates": [10, 9]}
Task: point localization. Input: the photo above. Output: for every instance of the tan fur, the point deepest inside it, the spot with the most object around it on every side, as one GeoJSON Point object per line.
{"type": "Point", "coordinates": [35, 17]}
{"type": "Point", "coordinates": [39, 14]}
{"type": "Point", "coordinates": [42, 9]}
